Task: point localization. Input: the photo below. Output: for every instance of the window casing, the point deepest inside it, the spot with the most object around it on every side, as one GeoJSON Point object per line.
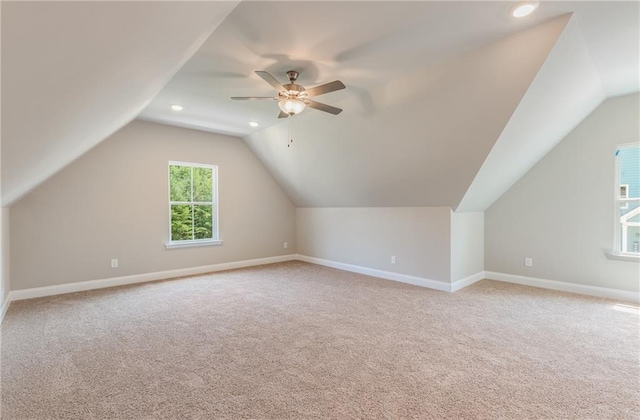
{"type": "Point", "coordinates": [193, 204]}
{"type": "Point", "coordinates": [627, 199]}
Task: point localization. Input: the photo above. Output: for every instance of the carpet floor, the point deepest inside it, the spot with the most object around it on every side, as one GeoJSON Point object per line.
{"type": "Point", "coordinates": [300, 341]}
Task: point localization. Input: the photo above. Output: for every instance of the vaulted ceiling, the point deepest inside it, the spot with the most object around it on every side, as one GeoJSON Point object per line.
{"type": "Point", "coordinates": [447, 103]}
{"type": "Point", "coordinates": [73, 73]}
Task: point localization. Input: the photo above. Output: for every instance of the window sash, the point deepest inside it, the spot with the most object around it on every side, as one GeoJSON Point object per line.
{"type": "Point", "coordinates": [192, 203]}
{"type": "Point", "coordinates": [188, 203]}
{"type": "Point", "coordinates": [620, 231]}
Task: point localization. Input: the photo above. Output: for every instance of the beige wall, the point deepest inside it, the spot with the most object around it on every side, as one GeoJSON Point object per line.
{"type": "Point", "coordinates": [4, 234]}
{"type": "Point", "coordinates": [112, 203]}
{"type": "Point", "coordinates": [467, 244]}
{"type": "Point", "coordinates": [418, 236]}
{"type": "Point", "coordinates": [561, 213]}
{"type": "Point", "coordinates": [4, 255]}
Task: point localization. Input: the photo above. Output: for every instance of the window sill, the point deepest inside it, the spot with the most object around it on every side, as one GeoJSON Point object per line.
{"type": "Point", "coordinates": [618, 256]}
{"type": "Point", "coordinates": [191, 244]}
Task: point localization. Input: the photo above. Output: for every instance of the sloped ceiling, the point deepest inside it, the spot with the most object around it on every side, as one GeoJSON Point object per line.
{"type": "Point", "coordinates": [75, 72]}
{"type": "Point", "coordinates": [447, 103]}
{"type": "Point", "coordinates": [425, 141]}
{"type": "Point", "coordinates": [366, 44]}
{"type": "Point", "coordinates": [444, 100]}
{"type": "Point", "coordinates": [564, 92]}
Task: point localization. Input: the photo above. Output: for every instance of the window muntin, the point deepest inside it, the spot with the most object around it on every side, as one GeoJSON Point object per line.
{"type": "Point", "coordinates": [193, 207]}
{"type": "Point", "coordinates": [627, 229]}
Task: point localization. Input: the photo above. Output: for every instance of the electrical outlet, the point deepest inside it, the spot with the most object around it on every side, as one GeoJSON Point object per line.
{"type": "Point", "coordinates": [114, 263]}
{"type": "Point", "coordinates": [528, 262]}
{"type": "Point", "coordinates": [393, 259]}
{"type": "Point", "coordinates": [286, 245]}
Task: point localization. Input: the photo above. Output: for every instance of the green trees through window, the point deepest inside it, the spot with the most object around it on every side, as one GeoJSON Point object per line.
{"type": "Point", "coordinates": [192, 201]}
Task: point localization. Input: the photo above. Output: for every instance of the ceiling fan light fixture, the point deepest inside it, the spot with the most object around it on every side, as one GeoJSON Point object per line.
{"type": "Point", "coordinates": [293, 98]}
{"type": "Point", "coordinates": [524, 9]}
{"type": "Point", "coordinates": [291, 106]}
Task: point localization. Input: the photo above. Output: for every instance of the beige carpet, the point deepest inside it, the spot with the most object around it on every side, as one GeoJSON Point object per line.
{"type": "Point", "coordinates": [298, 341]}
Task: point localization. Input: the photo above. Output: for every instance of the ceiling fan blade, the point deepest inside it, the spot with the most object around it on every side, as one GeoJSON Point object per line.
{"type": "Point", "coordinates": [252, 98]}
{"type": "Point", "coordinates": [271, 80]}
{"type": "Point", "coordinates": [326, 88]}
{"type": "Point", "coordinates": [283, 115]}
{"type": "Point", "coordinates": [323, 107]}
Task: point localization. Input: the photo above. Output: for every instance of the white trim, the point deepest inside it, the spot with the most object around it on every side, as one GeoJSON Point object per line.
{"type": "Point", "coordinates": [140, 278]}
{"type": "Point", "coordinates": [182, 272]}
{"type": "Point", "coordinates": [402, 278]}
{"type": "Point", "coordinates": [624, 224]}
{"type": "Point", "coordinates": [4, 306]}
{"type": "Point", "coordinates": [190, 244]}
{"type": "Point", "coordinates": [562, 286]}
{"type": "Point", "coordinates": [617, 240]}
{"type": "Point", "coordinates": [214, 196]}
{"type": "Point", "coordinates": [619, 256]}
{"type": "Point", "coordinates": [620, 238]}
{"type": "Point", "coordinates": [467, 281]}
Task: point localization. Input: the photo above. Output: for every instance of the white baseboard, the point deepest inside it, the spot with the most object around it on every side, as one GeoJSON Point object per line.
{"type": "Point", "coordinates": [139, 278]}
{"type": "Point", "coordinates": [4, 306]}
{"type": "Point", "coordinates": [562, 286]}
{"type": "Point", "coordinates": [402, 278]}
{"type": "Point", "coordinates": [467, 281]}
{"type": "Point", "coordinates": [162, 275]}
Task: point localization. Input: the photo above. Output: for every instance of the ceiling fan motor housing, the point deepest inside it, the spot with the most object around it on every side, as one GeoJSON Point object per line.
{"type": "Point", "coordinates": [293, 90]}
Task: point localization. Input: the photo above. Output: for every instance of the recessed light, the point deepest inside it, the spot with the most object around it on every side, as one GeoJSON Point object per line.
{"type": "Point", "coordinates": [254, 124]}
{"type": "Point", "coordinates": [177, 107]}
{"type": "Point", "coordinates": [524, 9]}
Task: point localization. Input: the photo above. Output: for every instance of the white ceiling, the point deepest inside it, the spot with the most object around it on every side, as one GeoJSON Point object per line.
{"type": "Point", "coordinates": [426, 140]}
{"type": "Point", "coordinates": [365, 44]}
{"type": "Point", "coordinates": [435, 90]}
{"type": "Point", "coordinates": [564, 92]}
{"type": "Point", "coordinates": [447, 103]}
{"type": "Point", "coordinates": [75, 72]}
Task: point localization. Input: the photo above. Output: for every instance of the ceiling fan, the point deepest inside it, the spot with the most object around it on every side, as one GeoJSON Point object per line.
{"type": "Point", "coordinates": [293, 98]}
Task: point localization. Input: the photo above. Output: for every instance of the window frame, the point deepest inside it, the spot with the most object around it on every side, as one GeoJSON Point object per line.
{"type": "Point", "coordinates": [619, 239]}
{"type": "Point", "coordinates": [215, 240]}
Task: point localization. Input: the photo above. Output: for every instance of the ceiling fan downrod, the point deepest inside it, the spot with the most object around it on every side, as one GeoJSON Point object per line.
{"type": "Point", "coordinates": [292, 75]}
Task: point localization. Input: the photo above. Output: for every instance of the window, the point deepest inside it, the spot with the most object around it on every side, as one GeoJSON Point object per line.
{"type": "Point", "coordinates": [193, 204]}
{"type": "Point", "coordinates": [628, 199]}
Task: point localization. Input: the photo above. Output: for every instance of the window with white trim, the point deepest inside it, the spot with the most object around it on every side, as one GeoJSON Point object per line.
{"type": "Point", "coordinates": [628, 199]}
{"type": "Point", "coordinates": [193, 204]}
